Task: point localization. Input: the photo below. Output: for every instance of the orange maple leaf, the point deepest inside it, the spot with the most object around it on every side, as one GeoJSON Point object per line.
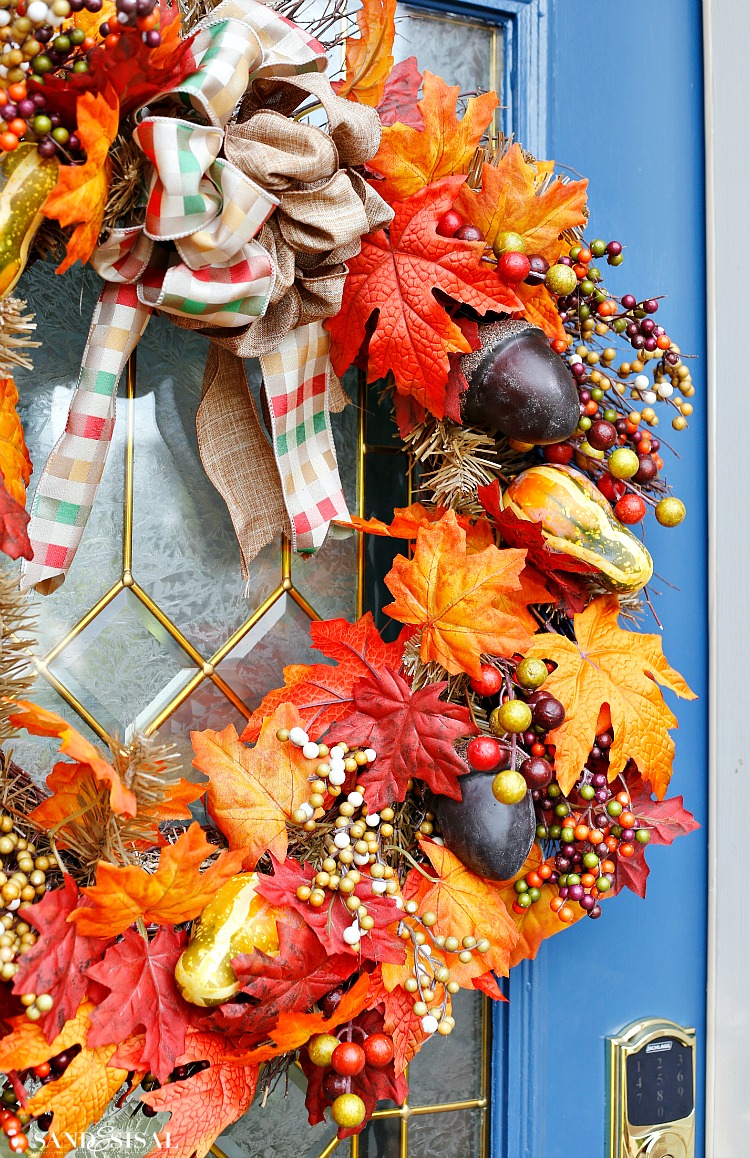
{"type": "Point", "coordinates": [540, 308]}
{"type": "Point", "coordinates": [40, 722]}
{"type": "Point", "coordinates": [407, 521]}
{"type": "Point", "coordinates": [80, 195]}
{"type": "Point", "coordinates": [15, 463]}
{"type": "Point", "coordinates": [409, 159]}
{"type": "Point", "coordinates": [456, 598]}
{"type": "Point", "coordinates": [176, 892]}
{"type": "Point", "coordinates": [607, 665]}
{"type": "Point", "coordinates": [511, 199]}
{"type": "Point", "coordinates": [253, 792]}
{"type": "Point", "coordinates": [368, 58]}
{"type": "Point", "coordinates": [82, 1093]}
{"type": "Point", "coordinates": [395, 276]}
{"type": "Point", "coordinates": [538, 922]}
{"type": "Point", "coordinates": [465, 905]}
{"type": "Point", "coordinates": [294, 1029]}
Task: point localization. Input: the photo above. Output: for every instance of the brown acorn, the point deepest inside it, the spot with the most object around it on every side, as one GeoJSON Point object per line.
{"type": "Point", "coordinates": [519, 386]}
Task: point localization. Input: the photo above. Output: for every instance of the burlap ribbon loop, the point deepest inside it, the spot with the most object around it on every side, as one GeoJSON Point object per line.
{"type": "Point", "coordinates": [246, 229]}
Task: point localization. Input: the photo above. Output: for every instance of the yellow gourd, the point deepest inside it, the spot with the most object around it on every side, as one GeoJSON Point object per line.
{"type": "Point", "coordinates": [26, 180]}
{"type": "Point", "coordinates": [236, 921]}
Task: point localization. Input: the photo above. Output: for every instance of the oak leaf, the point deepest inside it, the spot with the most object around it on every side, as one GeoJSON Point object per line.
{"type": "Point", "coordinates": [538, 922]}
{"type": "Point", "coordinates": [82, 1093]}
{"type": "Point", "coordinates": [15, 463]}
{"type": "Point", "coordinates": [368, 58]}
{"type": "Point", "coordinates": [400, 95]}
{"type": "Point", "coordinates": [203, 1105]}
{"type": "Point", "coordinates": [380, 943]}
{"type": "Point", "coordinates": [454, 597]}
{"type": "Point", "coordinates": [80, 195]}
{"type": "Point", "coordinates": [465, 906]}
{"type": "Point", "coordinates": [143, 996]}
{"type": "Point", "coordinates": [177, 891]}
{"type": "Point", "coordinates": [413, 734]}
{"type": "Point", "coordinates": [512, 198]}
{"type": "Point", "coordinates": [323, 693]}
{"type": "Point", "coordinates": [40, 722]}
{"type": "Point", "coordinates": [606, 665]}
{"type": "Point", "coordinates": [252, 792]}
{"type": "Point", "coordinates": [396, 276]}
{"type": "Point", "coordinates": [58, 962]}
{"type": "Point", "coordinates": [410, 159]}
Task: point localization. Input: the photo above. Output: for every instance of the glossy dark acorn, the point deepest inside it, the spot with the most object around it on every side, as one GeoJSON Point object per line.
{"type": "Point", "coordinates": [490, 838]}
{"type": "Point", "coordinates": [518, 385]}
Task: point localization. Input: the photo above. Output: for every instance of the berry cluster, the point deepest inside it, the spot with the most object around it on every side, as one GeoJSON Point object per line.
{"type": "Point", "coordinates": [39, 39]}
{"type": "Point", "coordinates": [517, 749]}
{"type": "Point", "coordinates": [344, 1059]}
{"type": "Point", "coordinates": [15, 1120]}
{"type": "Point", "coordinates": [23, 877]}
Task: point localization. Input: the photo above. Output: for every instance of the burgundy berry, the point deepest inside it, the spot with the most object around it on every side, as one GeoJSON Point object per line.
{"type": "Point", "coordinates": [628, 301]}
{"type": "Point", "coordinates": [469, 233]}
{"type": "Point", "coordinates": [539, 266]}
{"type": "Point", "coordinates": [651, 306]}
{"type": "Point", "coordinates": [614, 249]}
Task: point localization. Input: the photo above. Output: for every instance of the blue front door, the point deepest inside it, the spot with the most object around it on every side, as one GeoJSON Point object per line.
{"type": "Point", "coordinates": [625, 108]}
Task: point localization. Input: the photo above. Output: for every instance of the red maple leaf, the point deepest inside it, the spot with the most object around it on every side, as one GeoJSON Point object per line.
{"type": "Point", "coordinates": [413, 734]}
{"type": "Point", "coordinates": [399, 100]}
{"type": "Point", "coordinates": [59, 960]}
{"type": "Point", "coordinates": [397, 274]}
{"type": "Point", "coordinates": [408, 413]}
{"type": "Point", "coordinates": [373, 1085]}
{"type": "Point", "coordinates": [206, 1103]}
{"type": "Point", "coordinates": [665, 820]}
{"type": "Point", "coordinates": [321, 692]}
{"type": "Point", "coordinates": [377, 944]}
{"type": "Point", "coordinates": [557, 568]}
{"type": "Point", "coordinates": [143, 995]}
{"type": "Point", "coordinates": [14, 519]}
{"type": "Point", "coordinates": [291, 982]}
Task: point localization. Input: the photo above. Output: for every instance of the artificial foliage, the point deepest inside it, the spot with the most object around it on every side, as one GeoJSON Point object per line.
{"type": "Point", "coordinates": [418, 808]}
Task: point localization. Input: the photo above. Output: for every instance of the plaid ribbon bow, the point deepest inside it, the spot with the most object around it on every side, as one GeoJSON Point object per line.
{"type": "Point", "coordinates": [195, 257]}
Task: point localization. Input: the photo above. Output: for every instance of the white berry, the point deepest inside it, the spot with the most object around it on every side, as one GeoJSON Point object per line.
{"type": "Point", "coordinates": [356, 798]}
{"type": "Point", "coordinates": [665, 389]}
{"type": "Point", "coordinates": [641, 382]}
{"type": "Point", "coordinates": [308, 810]}
{"type": "Point", "coordinates": [429, 1023]}
{"type": "Point", "coordinates": [378, 887]}
{"type": "Point", "coordinates": [336, 777]}
{"type": "Point", "coordinates": [37, 12]}
{"type": "Point", "coordinates": [298, 736]}
{"type": "Point", "coordinates": [341, 840]}
{"type": "Point", "coordinates": [310, 750]}
{"type": "Point", "coordinates": [371, 755]}
{"type": "Point", "coordinates": [372, 819]}
{"type": "Point", "coordinates": [649, 397]}
{"type": "Point", "coordinates": [352, 935]}
{"type": "Point", "coordinates": [361, 858]}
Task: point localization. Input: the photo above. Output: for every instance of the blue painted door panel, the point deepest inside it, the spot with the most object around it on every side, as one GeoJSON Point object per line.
{"type": "Point", "coordinates": [625, 108]}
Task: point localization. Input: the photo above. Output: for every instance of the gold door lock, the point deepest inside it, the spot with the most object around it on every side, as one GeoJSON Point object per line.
{"type": "Point", "coordinates": [652, 1091]}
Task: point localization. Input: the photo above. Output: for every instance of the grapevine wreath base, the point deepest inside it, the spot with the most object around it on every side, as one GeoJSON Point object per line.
{"type": "Point", "coordinates": [406, 817]}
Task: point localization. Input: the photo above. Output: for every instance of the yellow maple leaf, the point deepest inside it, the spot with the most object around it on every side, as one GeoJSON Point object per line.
{"type": "Point", "coordinates": [368, 58]}
{"type": "Point", "coordinates": [606, 665]}
{"type": "Point", "coordinates": [457, 597]}
{"type": "Point", "coordinates": [253, 792]}
{"type": "Point", "coordinates": [409, 159]}
{"type": "Point", "coordinates": [80, 195]}
{"type": "Point", "coordinates": [510, 200]}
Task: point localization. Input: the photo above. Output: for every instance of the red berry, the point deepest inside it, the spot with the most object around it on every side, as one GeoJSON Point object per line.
{"type": "Point", "coordinates": [468, 233]}
{"type": "Point", "coordinates": [12, 1125]}
{"type": "Point", "coordinates": [513, 266]}
{"type": "Point", "coordinates": [489, 683]}
{"type": "Point", "coordinates": [612, 489]}
{"type": "Point", "coordinates": [559, 453]}
{"type": "Point", "coordinates": [484, 753]}
{"type": "Point", "coordinates": [42, 1070]}
{"type": "Point", "coordinates": [601, 435]}
{"type": "Point", "coordinates": [449, 223]}
{"type": "Point", "coordinates": [348, 1059]}
{"type": "Point", "coordinates": [18, 1143]}
{"type": "Point", "coordinates": [630, 509]}
{"type": "Point", "coordinates": [378, 1050]}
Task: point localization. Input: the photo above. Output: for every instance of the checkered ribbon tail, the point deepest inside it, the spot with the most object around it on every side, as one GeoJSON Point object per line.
{"type": "Point", "coordinates": [71, 477]}
{"type": "Point", "coordinates": [301, 433]}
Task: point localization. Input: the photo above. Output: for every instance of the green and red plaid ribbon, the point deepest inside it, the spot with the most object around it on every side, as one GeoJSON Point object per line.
{"type": "Point", "coordinates": [195, 257]}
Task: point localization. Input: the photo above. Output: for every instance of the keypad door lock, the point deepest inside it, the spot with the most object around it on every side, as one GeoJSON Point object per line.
{"type": "Point", "coordinates": [652, 1091]}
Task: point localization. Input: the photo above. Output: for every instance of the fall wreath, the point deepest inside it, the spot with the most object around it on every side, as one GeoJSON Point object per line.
{"type": "Point", "coordinates": [409, 816]}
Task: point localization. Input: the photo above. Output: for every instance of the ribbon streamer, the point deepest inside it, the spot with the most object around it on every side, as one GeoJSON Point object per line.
{"type": "Point", "coordinates": [245, 234]}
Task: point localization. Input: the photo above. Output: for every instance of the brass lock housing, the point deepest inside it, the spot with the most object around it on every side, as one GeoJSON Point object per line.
{"type": "Point", "coordinates": [651, 1071]}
